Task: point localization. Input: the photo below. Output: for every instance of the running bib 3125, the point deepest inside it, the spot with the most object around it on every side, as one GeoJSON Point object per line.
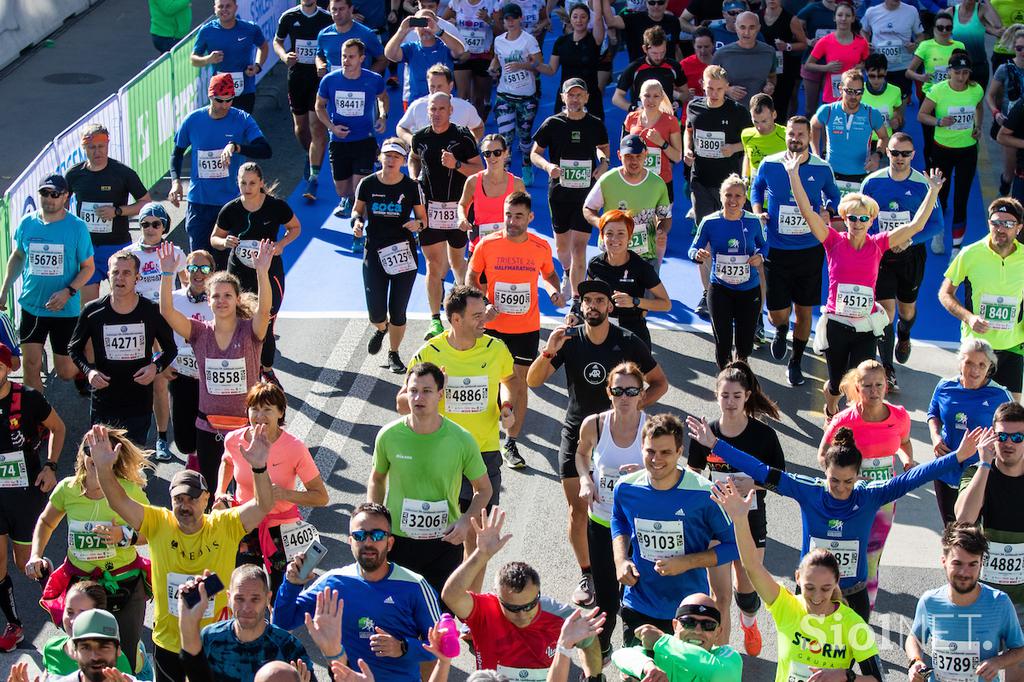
{"type": "Point", "coordinates": [397, 258]}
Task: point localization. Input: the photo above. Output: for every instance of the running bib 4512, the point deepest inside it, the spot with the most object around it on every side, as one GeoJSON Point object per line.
{"type": "Point", "coordinates": [659, 539]}
{"type": "Point", "coordinates": [846, 552]}
{"type": "Point", "coordinates": [512, 299]}
{"type": "Point", "coordinates": [226, 376]}
{"type": "Point", "coordinates": [46, 259]}
{"type": "Point", "coordinates": [443, 215]}
{"type": "Point", "coordinates": [854, 300]}
{"type": "Point", "coordinates": [13, 471]}
{"type": "Point", "coordinates": [124, 341]}
{"type": "Point", "coordinates": [423, 520]}
{"type": "Point", "coordinates": [466, 395]}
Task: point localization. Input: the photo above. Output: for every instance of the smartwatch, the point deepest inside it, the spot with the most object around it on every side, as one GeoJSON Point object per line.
{"type": "Point", "coordinates": [458, 165]}
{"type": "Point", "coordinates": [117, 211]}
{"type": "Point", "coordinates": [71, 289]}
{"type": "Point", "coordinates": [51, 465]}
{"type": "Point", "coordinates": [664, 145]}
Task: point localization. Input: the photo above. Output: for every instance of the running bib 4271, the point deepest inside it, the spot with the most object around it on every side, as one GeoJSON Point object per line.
{"type": "Point", "coordinates": [124, 341]}
{"type": "Point", "coordinates": [659, 539]}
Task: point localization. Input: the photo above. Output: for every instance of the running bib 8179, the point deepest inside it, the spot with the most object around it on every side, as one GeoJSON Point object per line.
{"type": "Point", "coordinates": [97, 225]}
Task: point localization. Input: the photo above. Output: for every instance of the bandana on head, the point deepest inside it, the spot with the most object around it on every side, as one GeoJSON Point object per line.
{"type": "Point", "coordinates": [222, 85]}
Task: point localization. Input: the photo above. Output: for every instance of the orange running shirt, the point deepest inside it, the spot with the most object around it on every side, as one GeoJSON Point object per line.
{"type": "Point", "coordinates": [511, 270]}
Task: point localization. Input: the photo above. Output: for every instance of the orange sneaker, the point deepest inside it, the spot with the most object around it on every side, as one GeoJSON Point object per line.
{"type": "Point", "coordinates": [751, 639]}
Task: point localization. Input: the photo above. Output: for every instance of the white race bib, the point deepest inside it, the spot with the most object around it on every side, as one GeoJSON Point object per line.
{"type": "Point", "coordinates": [799, 672]}
{"type": "Point", "coordinates": [846, 552]}
{"type": "Point", "coordinates": [523, 674]}
{"type": "Point", "coordinates": [124, 341]}
{"type": "Point", "coordinates": [246, 252]}
{"type": "Point", "coordinates": [576, 173]}
{"type": "Point", "coordinates": [955, 661]}
{"type": "Point", "coordinates": [305, 51]}
{"type": "Point", "coordinates": [397, 258]}
{"type": "Point", "coordinates": [226, 376]}
{"type": "Point", "coordinates": [940, 74]}
{"type": "Point", "coordinates": [422, 520]}
{"type": "Point", "coordinates": [476, 40]}
{"type": "Point", "coordinates": [443, 215]}
{"type": "Point", "coordinates": [512, 299]}
{"type": "Point", "coordinates": [1004, 564]}
{"type": "Point", "coordinates": [963, 118]}
{"type": "Point", "coordinates": [659, 539]}
{"type": "Point", "coordinates": [85, 544]}
{"type": "Point", "coordinates": [489, 228]}
{"type": "Point", "coordinates": [238, 78]}
{"type": "Point", "coordinates": [854, 300]}
{"type": "Point", "coordinates": [466, 395]}
{"type": "Point", "coordinates": [174, 583]}
{"type": "Point", "coordinates": [835, 82]}
{"type": "Point", "coordinates": [45, 259]}
{"type": "Point", "coordinates": [878, 468]}
{"type": "Point", "coordinates": [13, 471]}
{"type": "Point", "coordinates": [211, 167]}
{"type": "Point", "coordinates": [732, 269]}
{"type": "Point", "coordinates": [521, 82]}
{"type": "Point", "coordinates": [1000, 312]}
{"type": "Point", "coordinates": [709, 143]}
{"type": "Point", "coordinates": [717, 476]}
{"type": "Point", "coordinates": [186, 360]}
{"type": "Point", "coordinates": [778, 61]}
{"type": "Point", "coordinates": [892, 49]}
{"type": "Point", "coordinates": [96, 224]}
{"type": "Point", "coordinates": [296, 537]}
{"type": "Point", "coordinates": [606, 480]}
{"type": "Point", "coordinates": [350, 103]}
{"type": "Point", "coordinates": [890, 220]}
{"type": "Point", "coordinates": [791, 221]}
{"type": "Point", "coordinates": [652, 161]}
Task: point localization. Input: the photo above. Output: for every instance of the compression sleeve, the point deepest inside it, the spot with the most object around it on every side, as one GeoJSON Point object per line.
{"type": "Point", "coordinates": [257, 149]}
{"type": "Point", "coordinates": [872, 667]}
{"type": "Point", "coordinates": [777, 481]}
{"type": "Point", "coordinates": [76, 347]}
{"type": "Point", "coordinates": [165, 337]}
{"type": "Point", "coordinates": [197, 667]}
{"type": "Point", "coordinates": [177, 159]}
{"type": "Point", "coordinates": [631, 661]}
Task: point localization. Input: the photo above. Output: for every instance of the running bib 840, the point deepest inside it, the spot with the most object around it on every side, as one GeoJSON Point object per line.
{"type": "Point", "coordinates": [999, 311]}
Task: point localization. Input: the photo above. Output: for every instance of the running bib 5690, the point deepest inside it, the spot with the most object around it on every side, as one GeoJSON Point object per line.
{"type": "Point", "coordinates": [512, 299]}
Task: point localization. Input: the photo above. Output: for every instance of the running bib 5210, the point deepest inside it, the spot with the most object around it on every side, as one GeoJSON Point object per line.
{"type": "Point", "coordinates": [963, 118]}
{"type": "Point", "coordinates": [659, 539]}
{"type": "Point", "coordinates": [423, 520]}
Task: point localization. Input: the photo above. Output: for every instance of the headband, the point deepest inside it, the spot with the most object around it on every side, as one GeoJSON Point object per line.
{"type": "Point", "coordinates": [698, 610]}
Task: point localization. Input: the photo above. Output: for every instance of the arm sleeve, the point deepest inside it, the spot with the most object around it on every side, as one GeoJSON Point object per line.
{"type": "Point", "coordinates": [631, 661]}
{"type": "Point", "coordinates": [165, 337]}
{"type": "Point", "coordinates": [177, 160]}
{"type": "Point", "coordinates": [258, 148]}
{"type": "Point", "coordinates": [722, 530]}
{"type": "Point", "coordinates": [197, 668]}
{"type": "Point", "coordinates": [895, 488]}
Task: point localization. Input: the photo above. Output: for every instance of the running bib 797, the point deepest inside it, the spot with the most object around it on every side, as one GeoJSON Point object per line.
{"type": "Point", "coordinates": [85, 543]}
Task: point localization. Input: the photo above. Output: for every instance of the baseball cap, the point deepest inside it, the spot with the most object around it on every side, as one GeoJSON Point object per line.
{"type": "Point", "coordinates": [959, 61]}
{"type": "Point", "coordinates": [222, 85]}
{"type": "Point", "coordinates": [511, 10]}
{"type": "Point", "coordinates": [632, 144]}
{"type": "Point", "coordinates": [6, 357]}
{"type": "Point", "coordinates": [573, 83]}
{"type": "Point", "coordinates": [95, 624]}
{"type": "Point", "coordinates": [394, 147]}
{"type": "Point", "coordinates": [156, 210]}
{"type": "Point", "coordinates": [594, 286]}
{"type": "Point", "coordinates": [189, 483]}
{"type": "Point", "coordinates": [56, 182]}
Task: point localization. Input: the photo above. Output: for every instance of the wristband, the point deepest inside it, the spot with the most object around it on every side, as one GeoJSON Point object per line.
{"type": "Point", "coordinates": [259, 68]}
{"type": "Point", "coordinates": [166, 274]}
{"type": "Point", "coordinates": [341, 655]}
{"type": "Point", "coordinates": [405, 647]}
{"type": "Point", "coordinates": [71, 289]}
{"type": "Point", "coordinates": [546, 354]}
{"type": "Point", "coordinates": [507, 404]}
{"type": "Point", "coordinates": [564, 651]}
{"type": "Point", "coordinates": [261, 470]}
{"type": "Point", "coordinates": [51, 465]}
{"type": "Point", "coordinates": [985, 465]}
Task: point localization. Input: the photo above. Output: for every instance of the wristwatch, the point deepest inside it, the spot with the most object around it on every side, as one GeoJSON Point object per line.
{"type": "Point", "coordinates": [439, 34]}
{"type": "Point", "coordinates": [458, 165]}
{"type": "Point", "coordinates": [850, 675]}
{"type": "Point", "coordinates": [117, 211]}
{"type": "Point", "coordinates": [51, 465]}
{"type": "Point", "coordinates": [636, 301]}
{"type": "Point", "coordinates": [71, 289]}
{"type": "Point", "coordinates": [664, 145]}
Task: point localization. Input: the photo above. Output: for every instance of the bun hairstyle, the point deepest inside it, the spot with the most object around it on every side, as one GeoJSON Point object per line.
{"type": "Point", "coordinates": [758, 403]}
{"type": "Point", "coordinates": [843, 451]}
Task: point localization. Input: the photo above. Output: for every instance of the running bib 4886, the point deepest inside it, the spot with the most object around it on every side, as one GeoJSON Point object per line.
{"type": "Point", "coordinates": [466, 395]}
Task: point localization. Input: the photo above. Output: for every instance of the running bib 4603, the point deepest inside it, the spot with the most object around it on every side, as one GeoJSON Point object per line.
{"type": "Point", "coordinates": [45, 259]}
{"type": "Point", "coordinates": [124, 341]}
{"type": "Point", "coordinates": [1004, 564]}
{"type": "Point", "coordinates": [443, 215]}
{"type": "Point", "coordinates": [846, 552]}
{"type": "Point", "coordinates": [466, 395]}
{"type": "Point", "coordinates": [96, 224]}
{"type": "Point", "coordinates": [296, 537]}
{"type": "Point", "coordinates": [423, 520]}
{"type": "Point", "coordinates": [13, 472]}
{"type": "Point", "coordinates": [999, 311]}
{"type": "Point", "coordinates": [575, 173]}
{"type": "Point", "coordinates": [226, 376]}
{"type": "Point", "coordinates": [659, 539]}
{"type": "Point", "coordinates": [512, 299]}
{"type": "Point", "coordinates": [854, 300]}
{"type": "Point", "coordinates": [397, 258]}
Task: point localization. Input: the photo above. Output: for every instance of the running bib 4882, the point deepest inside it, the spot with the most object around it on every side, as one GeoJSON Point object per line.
{"type": "Point", "coordinates": [1004, 564]}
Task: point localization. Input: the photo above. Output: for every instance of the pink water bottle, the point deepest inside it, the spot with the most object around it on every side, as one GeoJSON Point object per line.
{"type": "Point", "coordinates": [449, 631]}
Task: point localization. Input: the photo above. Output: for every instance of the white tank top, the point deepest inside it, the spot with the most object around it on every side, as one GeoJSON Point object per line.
{"type": "Point", "coordinates": [607, 459]}
{"type": "Point", "coordinates": [476, 32]}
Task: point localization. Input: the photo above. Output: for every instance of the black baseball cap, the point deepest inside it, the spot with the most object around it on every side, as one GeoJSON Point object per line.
{"type": "Point", "coordinates": [189, 483]}
{"type": "Point", "coordinates": [632, 144]}
{"type": "Point", "coordinates": [511, 9]}
{"type": "Point", "coordinates": [594, 286]}
{"type": "Point", "coordinates": [959, 61]}
{"type": "Point", "coordinates": [55, 182]}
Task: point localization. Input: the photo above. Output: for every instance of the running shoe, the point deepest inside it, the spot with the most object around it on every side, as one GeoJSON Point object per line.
{"type": "Point", "coordinates": [376, 340]}
{"type": "Point", "coordinates": [902, 349]}
{"type": "Point", "coordinates": [528, 176]}
{"type": "Point", "coordinates": [510, 453]}
{"type": "Point", "coordinates": [311, 186]}
{"type": "Point", "coordinates": [954, 252]}
{"type": "Point", "coordinates": [702, 308]}
{"type": "Point", "coordinates": [13, 635]}
{"type": "Point", "coordinates": [890, 380]}
{"type": "Point", "coordinates": [395, 363]}
{"type": "Point", "coordinates": [435, 328]}
{"type": "Point", "coordinates": [938, 244]}
{"type": "Point", "coordinates": [760, 338]}
{"type": "Point", "coordinates": [566, 287]}
{"type": "Point", "coordinates": [163, 451]}
{"type": "Point", "coordinates": [584, 595]}
{"type": "Point", "coordinates": [778, 346]}
{"type": "Point", "coordinates": [751, 638]}
{"type": "Point", "coordinates": [344, 209]}
{"type": "Point", "coordinates": [794, 374]}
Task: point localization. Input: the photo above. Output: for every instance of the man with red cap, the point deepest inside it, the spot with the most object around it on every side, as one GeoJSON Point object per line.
{"type": "Point", "coordinates": [25, 481]}
{"type": "Point", "coordinates": [219, 137]}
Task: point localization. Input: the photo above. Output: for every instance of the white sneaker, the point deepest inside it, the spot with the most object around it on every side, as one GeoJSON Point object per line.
{"type": "Point", "coordinates": [566, 287]}
{"type": "Point", "coordinates": [938, 244]}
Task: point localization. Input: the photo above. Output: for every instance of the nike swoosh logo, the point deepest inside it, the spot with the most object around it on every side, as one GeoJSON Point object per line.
{"type": "Point", "coordinates": [241, 39]}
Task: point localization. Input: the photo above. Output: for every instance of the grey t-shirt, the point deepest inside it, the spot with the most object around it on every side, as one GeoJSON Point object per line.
{"type": "Point", "coordinates": [747, 67]}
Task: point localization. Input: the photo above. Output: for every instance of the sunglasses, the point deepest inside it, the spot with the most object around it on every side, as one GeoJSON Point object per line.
{"type": "Point", "coordinates": [858, 218]}
{"type": "Point", "coordinates": [1005, 224]}
{"type": "Point", "coordinates": [943, 27]}
{"type": "Point", "coordinates": [519, 608]}
{"type": "Point", "coordinates": [205, 269]}
{"type": "Point", "coordinates": [151, 223]}
{"type": "Point", "coordinates": [732, 13]}
{"type": "Point", "coordinates": [1019, 48]}
{"type": "Point", "coordinates": [223, 100]}
{"type": "Point", "coordinates": [854, 91]}
{"type": "Point", "coordinates": [376, 535]}
{"type": "Point", "coordinates": [496, 153]}
{"type": "Point", "coordinates": [50, 193]}
{"type": "Point", "coordinates": [656, 2]}
{"type": "Point", "coordinates": [1016, 438]}
{"type": "Point", "coordinates": [617, 391]}
{"type": "Point", "coordinates": [901, 154]}
{"type": "Point", "coordinates": [691, 623]}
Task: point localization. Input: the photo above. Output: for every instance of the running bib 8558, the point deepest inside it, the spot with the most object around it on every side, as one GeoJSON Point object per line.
{"type": "Point", "coordinates": [226, 376]}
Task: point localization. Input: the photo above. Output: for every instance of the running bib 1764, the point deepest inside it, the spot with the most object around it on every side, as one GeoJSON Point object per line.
{"type": "Point", "coordinates": [575, 173]}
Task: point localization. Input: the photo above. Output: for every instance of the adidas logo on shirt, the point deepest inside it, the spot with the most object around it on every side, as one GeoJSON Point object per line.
{"type": "Point", "coordinates": [389, 600]}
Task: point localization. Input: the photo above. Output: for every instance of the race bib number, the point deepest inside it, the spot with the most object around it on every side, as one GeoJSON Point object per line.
{"type": "Point", "coordinates": [519, 82]}
{"type": "Point", "coordinates": [443, 215]}
{"type": "Point", "coordinates": [124, 341]}
{"type": "Point", "coordinates": [847, 186]}
{"type": "Point", "coordinates": [963, 118]}
{"type": "Point", "coordinates": [422, 520]}
{"type": "Point", "coordinates": [955, 661]}
{"type": "Point", "coordinates": [512, 299]}
{"type": "Point", "coordinates": [732, 269]}
{"type": "Point", "coordinates": [174, 583]}
{"type": "Point", "coordinates": [246, 252]}
{"type": "Point", "coordinates": [476, 40]}
{"type": "Point", "coordinates": [821, 33]}
{"type": "Point", "coordinates": [606, 480]}
{"type": "Point", "coordinates": [940, 74]}
{"type": "Point", "coordinates": [709, 143]}
{"type": "Point", "coordinates": [791, 222]}
{"type": "Point", "coordinates": [466, 395]}
{"type": "Point", "coordinates": [489, 228]}
{"type": "Point", "coordinates": [640, 242]}
{"type": "Point", "coordinates": [835, 81]}
{"type": "Point", "coordinates": [350, 103]}
{"type": "Point", "coordinates": [523, 674]}
{"type": "Point", "coordinates": [652, 161]}
{"type": "Point", "coordinates": [878, 468]}
{"type": "Point", "coordinates": [717, 476]}
{"type": "Point", "coordinates": [854, 300]}
{"type": "Point", "coordinates": [226, 376]}
{"type": "Point", "coordinates": [1004, 564]}
{"type": "Point", "coordinates": [85, 544]}
{"type": "Point", "coordinates": [296, 537]}
{"type": "Point", "coordinates": [659, 539]}
{"type": "Point", "coordinates": [238, 78]}
{"type": "Point", "coordinates": [846, 552]}
{"type": "Point", "coordinates": [13, 471]}
{"type": "Point", "coordinates": [305, 51]}
{"type": "Point", "coordinates": [397, 258]}
{"type": "Point", "coordinates": [211, 167]}
{"type": "Point", "coordinates": [892, 49]}
{"type": "Point", "coordinates": [890, 220]}
{"type": "Point", "coordinates": [999, 311]}
{"type": "Point", "coordinates": [576, 173]}
{"type": "Point", "coordinates": [798, 672]}
{"type": "Point", "coordinates": [46, 260]}
{"type": "Point", "coordinates": [186, 360]}
{"type": "Point", "coordinates": [778, 61]}
{"type": "Point", "coordinates": [91, 218]}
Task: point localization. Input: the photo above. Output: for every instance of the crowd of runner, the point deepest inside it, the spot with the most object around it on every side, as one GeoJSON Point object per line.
{"type": "Point", "coordinates": [784, 206]}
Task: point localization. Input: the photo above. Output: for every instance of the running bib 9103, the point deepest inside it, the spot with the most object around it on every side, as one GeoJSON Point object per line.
{"type": "Point", "coordinates": [854, 300]}
{"type": "Point", "coordinates": [226, 376]}
{"type": "Point", "coordinates": [443, 215]}
{"type": "Point", "coordinates": [89, 215]}
{"type": "Point", "coordinates": [890, 220]}
{"type": "Point", "coordinates": [13, 471]}
{"type": "Point", "coordinates": [211, 167]}
{"type": "Point", "coordinates": [85, 543]}
{"type": "Point", "coordinates": [878, 468]}
{"type": "Point", "coordinates": [397, 258]}
{"type": "Point", "coordinates": [846, 552]}
{"type": "Point", "coordinates": [423, 520]}
{"type": "Point", "coordinates": [296, 537]}
{"type": "Point", "coordinates": [466, 395]}
{"type": "Point", "coordinates": [124, 341]}
{"type": "Point", "coordinates": [659, 539]}
{"type": "Point", "coordinates": [575, 173]}
{"type": "Point", "coordinates": [512, 299]}
{"type": "Point", "coordinates": [791, 221]}
{"type": "Point", "coordinates": [305, 51]}
{"type": "Point", "coordinates": [246, 252]}
{"type": "Point", "coordinates": [1004, 564]}
{"type": "Point", "coordinates": [46, 259]}
{"type": "Point", "coordinates": [709, 143]}
{"type": "Point", "coordinates": [955, 661]}
{"type": "Point", "coordinates": [1000, 312]}
{"type": "Point", "coordinates": [732, 269]}
{"type": "Point", "coordinates": [174, 583]}
{"type": "Point", "coordinates": [963, 118]}
{"type": "Point", "coordinates": [350, 103]}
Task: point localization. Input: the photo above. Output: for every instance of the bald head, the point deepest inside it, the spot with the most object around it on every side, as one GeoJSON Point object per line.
{"type": "Point", "coordinates": [277, 671]}
{"type": "Point", "coordinates": [747, 26]}
{"type": "Point", "coordinates": [695, 613]}
{"type": "Point", "coordinates": [699, 599]}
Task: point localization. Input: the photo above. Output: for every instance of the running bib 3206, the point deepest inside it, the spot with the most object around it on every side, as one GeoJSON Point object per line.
{"type": "Point", "coordinates": [854, 300]}
{"type": "Point", "coordinates": [46, 259]}
{"type": "Point", "coordinates": [13, 471]}
{"type": "Point", "coordinates": [96, 224]}
{"type": "Point", "coordinates": [226, 376]}
{"type": "Point", "coordinates": [443, 215]}
{"type": "Point", "coordinates": [296, 537]}
{"type": "Point", "coordinates": [423, 520]}
{"type": "Point", "coordinates": [124, 341]}
{"type": "Point", "coordinates": [466, 395]}
{"type": "Point", "coordinates": [85, 543]}
{"type": "Point", "coordinates": [732, 269]}
{"type": "Point", "coordinates": [397, 258]}
{"type": "Point", "coordinates": [659, 539]}
{"type": "Point", "coordinates": [575, 173]}
{"type": "Point", "coordinates": [791, 221]}
{"type": "Point", "coordinates": [211, 167]}
{"type": "Point", "coordinates": [846, 552]}
{"type": "Point", "coordinates": [512, 299]}
{"type": "Point", "coordinates": [1004, 564]}
{"type": "Point", "coordinates": [999, 311]}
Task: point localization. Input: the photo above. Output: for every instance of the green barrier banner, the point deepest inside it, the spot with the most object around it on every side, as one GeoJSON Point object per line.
{"type": "Point", "coordinates": [149, 122]}
{"type": "Point", "coordinates": [6, 233]}
{"type": "Point", "coordinates": [189, 83]}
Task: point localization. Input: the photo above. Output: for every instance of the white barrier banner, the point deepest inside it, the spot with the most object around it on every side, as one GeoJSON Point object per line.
{"type": "Point", "coordinates": [22, 195]}
{"type": "Point", "coordinates": [68, 145]}
{"type": "Point", "coordinates": [265, 14]}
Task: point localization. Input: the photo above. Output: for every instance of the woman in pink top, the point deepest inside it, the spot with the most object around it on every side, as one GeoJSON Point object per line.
{"type": "Point", "coordinates": [227, 349]}
{"type": "Point", "coordinates": [881, 432]}
{"type": "Point", "coordinates": [486, 190]}
{"type": "Point", "coordinates": [846, 332]}
{"type": "Point", "coordinates": [837, 52]}
{"type": "Point", "coordinates": [289, 459]}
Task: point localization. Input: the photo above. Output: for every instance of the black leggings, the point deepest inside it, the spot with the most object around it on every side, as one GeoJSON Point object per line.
{"type": "Point", "coordinates": [729, 308]}
{"type": "Point", "coordinates": [964, 163]}
{"type": "Point", "coordinates": [269, 343]}
{"type": "Point", "coordinates": [209, 452]}
{"type": "Point", "coordinates": [637, 325]}
{"type": "Point", "coordinates": [184, 408]}
{"type": "Point", "coordinates": [945, 497]}
{"type": "Point", "coordinates": [847, 348]}
{"type": "Point", "coordinates": [387, 296]}
{"type": "Point", "coordinates": [167, 666]}
{"type": "Point", "coordinates": [606, 582]}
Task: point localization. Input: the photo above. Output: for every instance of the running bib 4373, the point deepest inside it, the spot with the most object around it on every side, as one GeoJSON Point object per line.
{"type": "Point", "coordinates": [732, 269]}
{"type": "Point", "coordinates": [226, 376]}
{"type": "Point", "coordinates": [512, 299]}
{"type": "Point", "coordinates": [124, 341]}
{"type": "Point", "coordinates": [443, 215]}
{"type": "Point", "coordinates": [846, 552]}
{"type": "Point", "coordinates": [423, 520]}
{"type": "Point", "coordinates": [46, 259]}
{"type": "Point", "coordinates": [659, 539]}
{"type": "Point", "coordinates": [466, 395]}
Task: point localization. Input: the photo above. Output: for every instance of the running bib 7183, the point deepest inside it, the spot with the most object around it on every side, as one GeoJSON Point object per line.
{"type": "Point", "coordinates": [443, 215]}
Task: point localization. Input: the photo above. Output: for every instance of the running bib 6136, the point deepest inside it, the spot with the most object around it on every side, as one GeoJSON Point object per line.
{"type": "Point", "coordinates": [659, 539]}
{"type": "Point", "coordinates": [443, 215]}
{"type": "Point", "coordinates": [211, 167]}
{"type": "Point", "coordinates": [575, 173]}
{"type": "Point", "coordinates": [999, 311]}
{"type": "Point", "coordinates": [124, 341]}
{"type": "Point", "coordinates": [1004, 564]}
{"type": "Point", "coordinates": [397, 258]}
{"type": "Point", "coordinates": [13, 472]}
{"type": "Point", "coordinates": [846, 552]}
{"type": "Point", "coordinates": [512, 299]}
{"type": "Point", "coordinates": [423, 520]}
{"type": "Point", "coordinates": [238, 78]}
{"type": "Point", "coordinates": [46, 259]}
{"type": "Point", "coordinates": [854, 300]}
{"type": "Point", "coordinates": [466, 395]}
{"type": "Point", "coordinates": [97, 225]}
{"type": "Point", "coordinates": [226, 376]}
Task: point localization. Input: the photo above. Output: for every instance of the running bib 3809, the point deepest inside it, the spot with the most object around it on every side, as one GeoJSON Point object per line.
{"type": "Point", "coordinates": [709, 143]}
{"type": "Point", "coordinates": [575, 173]}
{"type": "Point", "coordinates": [96, 224]}
{"type": "Point", "coordinates": [659, 539]}
{"type": "Point", "coordinates": [466, 395]}
{"type": "Point", "coordinates": [13, 471]}
{"type": "Point", "coordinates": [732, 269]}
{"type": "Point", "coordinates": [85, 544]}
{"type": "Point", "coordinates": [1004, 564]}
{"type": "Point", "coordinates": [124, 341]}
{"type": "Point", "coordinates": [512, 299]}
{"type": "Point", "coordinates": [999, 311]}
{"type": "Point", "coordinates": [211, 167]}
{"type": "Point", "coordinates": [443, 215]}
{"type": "Point", "coordinates": [397, 258]}
{"type": "Point", "coordinates": [854, 300]}
{"type": "Point", "coordinates": [846, 552]}
{"type": "Point", "coordinates": [45, 259]}
{"type": "Point", "coordinates": [423, 520]}
{"type": "Point", "coordinates": [226, 376]}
